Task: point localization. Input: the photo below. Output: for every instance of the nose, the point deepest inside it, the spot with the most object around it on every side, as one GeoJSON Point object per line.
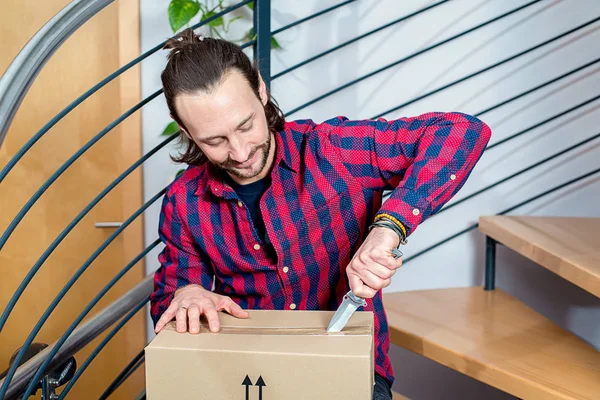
{"type": "Point", "coordinates": [239, 151]}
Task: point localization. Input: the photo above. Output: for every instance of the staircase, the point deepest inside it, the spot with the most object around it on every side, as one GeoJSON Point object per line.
{"type": "Point", "coordinates": [495, 338]}
{"type": "Point", "coordinates": [480, 332]}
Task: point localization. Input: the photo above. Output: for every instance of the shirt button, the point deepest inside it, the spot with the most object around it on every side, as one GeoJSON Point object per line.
{"type": "Point", "coordinates": [286, 269]}
{"type": "Point", "coordinates": [240, 204]}
{"type": "Point", "coordinates": [453, 177]}
{"type": "Point", "coordinates": [257, 246]}
{"type": "Point", "coordinates": [416, 211]}
{"type": "Point", "coordinates": [293, 306]}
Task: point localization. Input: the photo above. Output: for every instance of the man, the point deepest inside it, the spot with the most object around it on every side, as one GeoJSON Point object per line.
{"type": "Point", "coordinates": [288, 215]}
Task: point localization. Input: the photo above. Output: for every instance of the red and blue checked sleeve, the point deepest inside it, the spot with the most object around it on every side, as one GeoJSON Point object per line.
{"type": "Point", "coordinates": [180, 261]}
{"type": "Point", "coordinates": [424, 160]}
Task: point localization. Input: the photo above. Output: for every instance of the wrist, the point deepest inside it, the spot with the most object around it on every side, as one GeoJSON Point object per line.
{"type": "Point", "coordinates": [381, 221]}
{"type": "Point", "coordinates": [191, 286]}
{"type": "Point", "coordinates": [400, 227]}
{"type": "Point", "coordinates": [383, 233]}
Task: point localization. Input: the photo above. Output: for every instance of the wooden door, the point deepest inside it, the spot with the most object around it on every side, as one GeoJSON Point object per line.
{"type": "Point", "coordinates": [107, 41]}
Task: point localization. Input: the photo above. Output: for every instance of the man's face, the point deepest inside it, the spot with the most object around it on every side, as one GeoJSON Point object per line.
{"type": "Point", "coordinates": [230, 127]}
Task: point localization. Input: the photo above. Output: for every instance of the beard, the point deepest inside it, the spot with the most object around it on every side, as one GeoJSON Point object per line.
{"type": "Point", "coordinates": [231, 166]}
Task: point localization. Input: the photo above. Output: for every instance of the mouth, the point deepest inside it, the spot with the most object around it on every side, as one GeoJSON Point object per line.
{"type": "Point", "coordinates": [248, 163]}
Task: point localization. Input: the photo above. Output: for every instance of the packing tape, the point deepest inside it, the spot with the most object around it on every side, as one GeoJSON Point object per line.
{"type": "Point", "coordinates": [270, 330]}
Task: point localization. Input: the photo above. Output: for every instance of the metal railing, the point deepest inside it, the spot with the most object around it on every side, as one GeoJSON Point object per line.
{"type": "Point", "coordinates": [21, 380]}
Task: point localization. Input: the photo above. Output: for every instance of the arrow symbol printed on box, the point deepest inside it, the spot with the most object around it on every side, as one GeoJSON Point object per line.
{"type": "Point", "coordinates": [247, 382]}
{"type": "Point", "coordinates": [260, 383]}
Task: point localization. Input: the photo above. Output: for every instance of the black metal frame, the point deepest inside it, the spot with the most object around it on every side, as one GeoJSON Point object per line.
{"type": "Point", "coordinates": [490, 263]}
{"type": "Point", "coordinates": [69, 344]}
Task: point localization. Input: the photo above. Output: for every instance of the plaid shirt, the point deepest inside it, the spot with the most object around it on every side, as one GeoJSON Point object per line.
{"type": "Point", "coordinates": [327, 186]}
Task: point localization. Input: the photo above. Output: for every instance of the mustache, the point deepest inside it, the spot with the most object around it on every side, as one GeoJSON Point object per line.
{"type": "Point", "coordinates": [229, 163]}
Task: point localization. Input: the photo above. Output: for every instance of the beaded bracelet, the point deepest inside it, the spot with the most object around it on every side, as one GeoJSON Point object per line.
{"type": "Point", "coordinates": [386, 223]}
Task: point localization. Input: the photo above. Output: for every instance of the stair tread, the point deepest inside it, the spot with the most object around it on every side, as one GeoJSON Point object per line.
{"type": "Point", "coordinates": [564, 245]}
{"type": "Point", "coordinates": [496, 339]}
{"type": "Point", "coordinates": [398, 396]}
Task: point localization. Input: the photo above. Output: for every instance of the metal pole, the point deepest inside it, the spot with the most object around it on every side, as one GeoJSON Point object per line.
{"type": "Point", "coordinates": [490, 263]}
{"type": "Point", "coordinates": [262, 49]}
{"type": "Point", "coordinates": [83, 335]}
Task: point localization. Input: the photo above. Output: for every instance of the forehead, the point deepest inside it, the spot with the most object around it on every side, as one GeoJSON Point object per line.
{"type": "Point", "coordinates": [219, 111]}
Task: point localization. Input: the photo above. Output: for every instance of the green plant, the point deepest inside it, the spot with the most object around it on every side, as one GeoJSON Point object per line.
{"type": "Point", "coordinates": [181, 12]}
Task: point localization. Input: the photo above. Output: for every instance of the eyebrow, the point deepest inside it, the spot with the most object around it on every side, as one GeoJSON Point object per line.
{"type": "Point", "coordinates": [248, 118]}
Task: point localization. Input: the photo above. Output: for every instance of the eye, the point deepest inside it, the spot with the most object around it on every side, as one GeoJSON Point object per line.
{"type": "Point", "coordinates": [214, 143]}
{"type": "Point", "coordinates": [247, 128]}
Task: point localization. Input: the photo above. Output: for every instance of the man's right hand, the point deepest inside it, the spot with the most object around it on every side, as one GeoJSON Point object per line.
{"type": "Point", "coordinates": [190, 302]}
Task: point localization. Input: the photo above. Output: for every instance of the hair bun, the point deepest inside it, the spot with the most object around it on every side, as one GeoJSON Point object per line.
{"type": "Point", "coordinates": [182, 40]}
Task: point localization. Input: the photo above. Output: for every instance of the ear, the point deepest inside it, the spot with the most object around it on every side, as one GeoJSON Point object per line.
{"type": "Point", "coordinates": [262, 90]}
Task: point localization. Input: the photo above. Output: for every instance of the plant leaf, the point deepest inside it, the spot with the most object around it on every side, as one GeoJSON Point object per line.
{"type": "Point", "coordinates": [275, 43]}
{"type": "Point", "coordinates": [181, 12]}
{"type": "Point", "coordinates": [170, 129]}
{"type": "Point", "coordinates": [251, 5]}
{"type": "Point", "coordinates": [251, 34]}
{"type": "Point", "coordinates": [215, 22]}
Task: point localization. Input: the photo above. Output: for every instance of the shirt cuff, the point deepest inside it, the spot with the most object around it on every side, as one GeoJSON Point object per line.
{"type": "Point", "coordinates": [406, 207]}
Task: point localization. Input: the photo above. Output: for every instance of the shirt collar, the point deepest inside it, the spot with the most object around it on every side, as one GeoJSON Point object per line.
{"type": "Point", "coordinates": [289, 143]}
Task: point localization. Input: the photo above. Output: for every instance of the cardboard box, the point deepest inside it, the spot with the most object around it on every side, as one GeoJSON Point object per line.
{"type": "Point", "coordinates": [273, 355]}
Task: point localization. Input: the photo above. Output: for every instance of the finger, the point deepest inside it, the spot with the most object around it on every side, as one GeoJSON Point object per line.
{"type": "Point", "coordinates": [359, 288]}
{"type": "Point", "coordinates": [365, 292]}
{"type": "Point", "coordinates": [355, 283]}
{"type": "Point", "coordinates": [181, 318]}
{"type": "Point", "coordinates": [398, 262]}
{"type": "Point", "coordinates": [209, 310]}
{"type": "Point", "coordinates": [166, 317]}
{"type": "Point", "coordinates": [386, 283]}
{"type": "Point", "coordinates": [380, 271]}
{"type": "Point", "coordinates": [234, 309]}
{"type": "Point", "coordinates": [370, 279]}
{"type": "Point", "coordinates": [387, 259]}
{"type": "Point", "coordinates": [194, 318]}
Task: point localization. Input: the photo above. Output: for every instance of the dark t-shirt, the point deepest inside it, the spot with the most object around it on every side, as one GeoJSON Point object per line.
{"type": "Point", "coordinates": [251, 194]}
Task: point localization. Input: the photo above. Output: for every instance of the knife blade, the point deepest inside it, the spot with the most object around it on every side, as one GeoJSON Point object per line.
{"type": "Point", "coordinates": [350, 304]}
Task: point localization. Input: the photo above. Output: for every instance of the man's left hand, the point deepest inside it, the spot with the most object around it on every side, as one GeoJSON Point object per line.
{"type": "Point", "coordinates": [373, 265]}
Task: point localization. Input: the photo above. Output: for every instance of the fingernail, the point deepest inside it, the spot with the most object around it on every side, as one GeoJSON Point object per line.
{"type": "Point", "coordinates": [214, 329]}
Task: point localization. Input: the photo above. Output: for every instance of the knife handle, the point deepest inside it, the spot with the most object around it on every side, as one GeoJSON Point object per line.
{"type": "Point", "coordinates": [396, 253]}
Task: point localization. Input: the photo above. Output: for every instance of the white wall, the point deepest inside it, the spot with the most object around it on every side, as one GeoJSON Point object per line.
{"type": "Point", "coordinates": [459, 262]}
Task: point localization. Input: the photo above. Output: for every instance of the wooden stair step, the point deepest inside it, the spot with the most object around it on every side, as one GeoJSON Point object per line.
{"type": "Point", "coordinates": [569, 247]}
{"type": "Point", "coordinates": [496, 339]}
{"type": "Point", "coordinates": [398, 396]}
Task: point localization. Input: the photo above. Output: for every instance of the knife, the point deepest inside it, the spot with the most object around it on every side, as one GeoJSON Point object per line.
{"type": "Point", "coordinates": [350, 304]}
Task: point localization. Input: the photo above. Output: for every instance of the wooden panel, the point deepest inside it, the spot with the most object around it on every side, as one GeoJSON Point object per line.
{"type": "Point", "coordinates": [569, 247]}
{"type": "Point", "coordinates": [494, 338]}
{"type": "Point", "coordinates": [97, 49]}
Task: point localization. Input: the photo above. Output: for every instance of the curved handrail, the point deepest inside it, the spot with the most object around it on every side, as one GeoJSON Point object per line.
{"type": "Point", "coordinates": [411, 56]}
{"type": "Point", "coordinates": [489, 67]}
{"type": "Point", "coordinates": [62, 293]}
{"type": "Point", "coordinates": [83, 335]}
{"type": "Point", "coordinates": [506, 211]}
{"type": "Point", "coordinates": [357, 38]}
{"type": "Point", "coordinates": [21, 73]}
{"type": "Point", "coordinates": [25, 148]}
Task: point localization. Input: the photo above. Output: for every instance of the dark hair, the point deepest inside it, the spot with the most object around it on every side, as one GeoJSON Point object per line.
{"type": "Point", "coordinates": [199, 64]}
